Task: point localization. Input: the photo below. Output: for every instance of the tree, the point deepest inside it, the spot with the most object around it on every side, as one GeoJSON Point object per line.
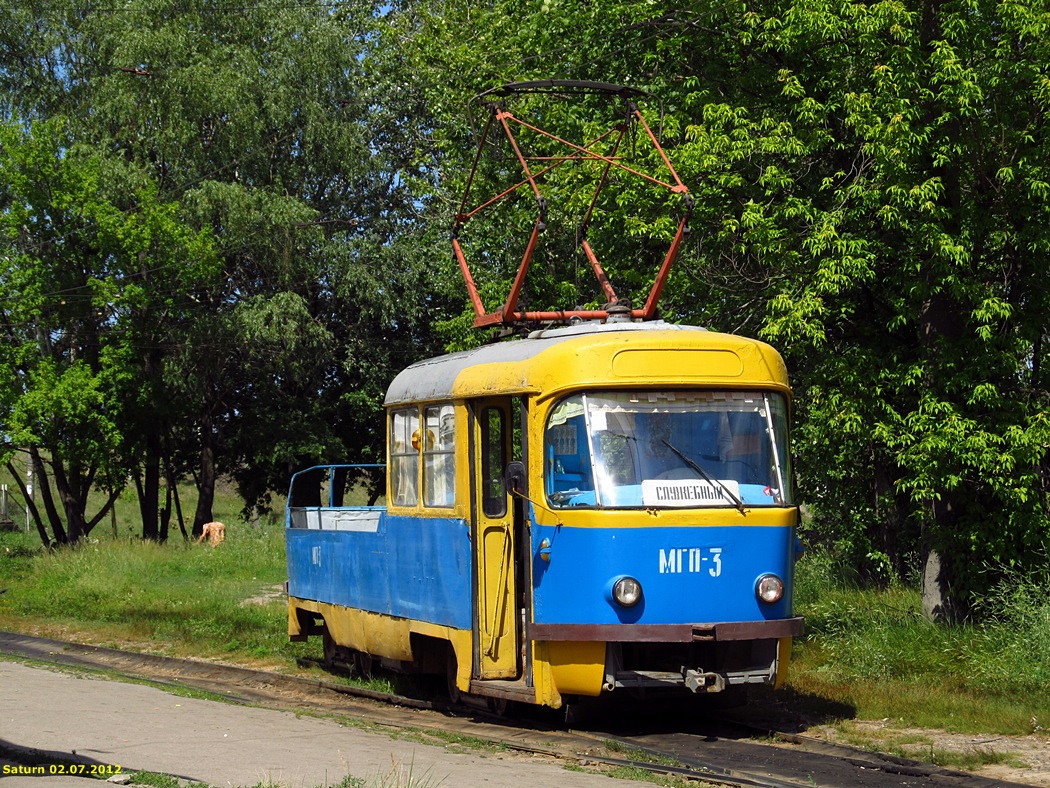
{"type": "Point", "coordinates": [870, 196]}
{"type": "Point", "coordinates": [264, 126]}
{"type": "Point", "coordinates": [82, 236]}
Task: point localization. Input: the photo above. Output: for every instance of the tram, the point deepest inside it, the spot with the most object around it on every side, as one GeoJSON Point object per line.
{"type": "Point", "coordinates": [602, 507]}
{"type": "Point", "coordinates": [593, 509]}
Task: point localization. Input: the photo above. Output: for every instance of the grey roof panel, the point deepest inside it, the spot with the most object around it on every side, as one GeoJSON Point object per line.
{"type": "Point", "coordinates": [434, 378]}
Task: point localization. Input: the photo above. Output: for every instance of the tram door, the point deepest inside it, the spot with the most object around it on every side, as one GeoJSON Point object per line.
{"type": "Point", "coordinates": [496, 647]}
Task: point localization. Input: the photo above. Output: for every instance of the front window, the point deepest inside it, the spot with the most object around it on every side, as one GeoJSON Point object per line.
{"type": "Point", "coordinates": [668, 449]}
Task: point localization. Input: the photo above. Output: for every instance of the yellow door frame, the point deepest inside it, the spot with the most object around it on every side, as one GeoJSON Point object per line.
{"type": "Point", "coordinates": [496, 647]}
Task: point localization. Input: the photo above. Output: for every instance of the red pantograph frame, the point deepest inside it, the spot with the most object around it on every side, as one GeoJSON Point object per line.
{"type": "Point", "coordinates": [509, 314]}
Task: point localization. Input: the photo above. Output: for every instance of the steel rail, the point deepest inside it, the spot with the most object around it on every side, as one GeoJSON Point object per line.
{"type": "Point", "coordinates": [691, 755]}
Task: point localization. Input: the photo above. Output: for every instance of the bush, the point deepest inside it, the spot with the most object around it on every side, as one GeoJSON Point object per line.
{"type": "Point", "coordinates": [1014, 633]}
{"type": "Point", "coordinates": [871, 633]}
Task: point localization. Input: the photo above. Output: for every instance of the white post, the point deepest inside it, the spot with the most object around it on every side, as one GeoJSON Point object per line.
{"type": "Point", "coordinates": [29, 487]}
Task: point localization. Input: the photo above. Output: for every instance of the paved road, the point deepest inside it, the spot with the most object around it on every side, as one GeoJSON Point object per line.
{"type": "Point", "coordinates": [54, 714]}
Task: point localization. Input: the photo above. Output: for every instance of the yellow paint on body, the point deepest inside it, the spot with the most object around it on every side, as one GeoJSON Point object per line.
{"type": "Point", "coordinates": [377, 634]}
{"type": "Point", "coordinates": [689, 363]}
{"type": "Point", "coordinates": [619, 359]}
{"type": "Point", "coordinates": [783, 658]}
{"type": "Point", "coordinates": [667, 518]}
{"type": "Point", "coordinates": [577, 668]}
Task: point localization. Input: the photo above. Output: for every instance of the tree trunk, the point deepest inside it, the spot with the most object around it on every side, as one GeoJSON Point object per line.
{"type": "Point", "coordinates": [107, 507]}
{"type": "Point", "coordinates": [206, 481]}
{"type": "Point", "coordinates": [31, 505]}
{"type": "Point", "coordinates": [939, 600]}
{"type": "Point", "coordinates": [165, 514]}
{"type": "Point", "coordinates": [339, 486]}
{"type": "Point", "coordinates": [75, 525]}
{"type": "Point", "coordinates": [942, 322]}
{"type": "Point", "coordinates": [149, 491]}
{"type": "Point", "coordinates": [45, 496]}
{"type": "Point", "coordinates": [169, 477]}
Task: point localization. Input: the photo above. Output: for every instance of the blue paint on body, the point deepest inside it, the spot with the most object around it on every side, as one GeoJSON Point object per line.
{"type": "Point", "coordinates": [416, 568]}
{"type": "Point", "coordinates": [688, 574]}
{"type": "Point", "coordinates": [420, 568]}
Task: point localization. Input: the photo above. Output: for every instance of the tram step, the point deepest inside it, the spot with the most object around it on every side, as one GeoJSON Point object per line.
{"type": "Point", "coordinates": [502, 688]}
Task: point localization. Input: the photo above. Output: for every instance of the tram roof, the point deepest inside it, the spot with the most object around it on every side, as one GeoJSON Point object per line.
{"type": "Point", "coordinates": [515, 367]}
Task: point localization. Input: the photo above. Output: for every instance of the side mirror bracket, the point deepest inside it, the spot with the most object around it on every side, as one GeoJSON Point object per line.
{"type": "Point", "coordinates": [515, 478]}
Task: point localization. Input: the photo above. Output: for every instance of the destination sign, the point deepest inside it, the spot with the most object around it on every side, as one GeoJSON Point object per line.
{"type": "Point", "coordinates": [688, 492]}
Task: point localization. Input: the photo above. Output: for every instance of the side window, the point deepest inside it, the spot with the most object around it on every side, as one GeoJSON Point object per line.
{"type": "Point", "coordinates": [404, 457]}
{"type": "Point", "coordinates": [439, 456]}
{"type": "Point", "coordinates": [493, 461]}
{"type": "Point", "coordinates": [567, 455]}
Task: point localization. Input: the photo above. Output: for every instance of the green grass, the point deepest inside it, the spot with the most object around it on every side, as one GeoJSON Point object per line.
{"type": "Point", "coordinates": [868, 653]}
{"type": "Point", "coordinates": [638, 774]}
{"type": "Point", "coordinates": [627, 752]}
{"type": "Point", "coordinates": [872, 650]}
{"type": "Point", "coordinates": [922, 748]}
{"type": "Point", "coordinates": [155, 780]}
{"type": "Point", "coordinates": [176, 598]}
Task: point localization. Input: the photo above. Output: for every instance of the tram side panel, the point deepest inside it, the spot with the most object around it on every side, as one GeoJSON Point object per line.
{"type": "Point", "coordinates": [378, 579]}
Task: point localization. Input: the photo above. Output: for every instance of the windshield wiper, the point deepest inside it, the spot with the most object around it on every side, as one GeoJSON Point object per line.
{"type": "Point", "coordinates": [565, 495]}
{"type": "Point", "coordinates": [703, 474]}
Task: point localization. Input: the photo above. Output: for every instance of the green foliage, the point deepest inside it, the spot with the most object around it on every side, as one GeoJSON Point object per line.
{"type": "Point", "coordinates": [83, 233]}
{"type": "Point", "coordinates": [869, 185]}
{"type": "Point", "coordinates": [869, 640]}
{"type": "Point", "coordinates": [263, 135]}
{"type": "Point", "coordinates": [919, 403]}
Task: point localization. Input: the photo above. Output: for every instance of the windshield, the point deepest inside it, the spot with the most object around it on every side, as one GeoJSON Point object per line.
{"type": "Point", "coordinates": [668, 449]}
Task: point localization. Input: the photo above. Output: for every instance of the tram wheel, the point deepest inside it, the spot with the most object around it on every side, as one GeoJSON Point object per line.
{"type": "Point", "coordinates": [451, 670]}
{"type": "Point", "coordinates": [363, 664]}
{"type": "Point", "coordinates": [498, 706]}
{"type": "Point", "coordinates": [329, 648]}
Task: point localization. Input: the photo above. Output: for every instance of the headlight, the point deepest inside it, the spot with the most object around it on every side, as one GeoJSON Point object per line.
{"type": "Point", "coordinates": [769, 588]}
{"type": "Point", "coordinates": [627, 591]}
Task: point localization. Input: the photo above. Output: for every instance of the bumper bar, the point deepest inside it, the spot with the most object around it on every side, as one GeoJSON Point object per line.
{"type": "Point", "coordinates": [669, 633]}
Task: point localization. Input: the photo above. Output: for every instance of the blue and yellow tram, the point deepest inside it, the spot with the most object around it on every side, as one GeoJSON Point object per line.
{"type": "Point", "coordinates": [597, 508]}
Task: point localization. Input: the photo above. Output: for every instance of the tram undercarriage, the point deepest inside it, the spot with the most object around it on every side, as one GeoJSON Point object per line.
{"type": "Point", "coordinates": [700, 668]}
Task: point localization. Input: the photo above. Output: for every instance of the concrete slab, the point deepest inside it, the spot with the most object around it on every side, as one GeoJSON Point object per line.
{"type": "Point", "coordinates": [109, 723]}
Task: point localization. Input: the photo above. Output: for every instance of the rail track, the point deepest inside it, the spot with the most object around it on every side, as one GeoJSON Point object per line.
{"type": "Point", "coordinates": [719, 751]}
